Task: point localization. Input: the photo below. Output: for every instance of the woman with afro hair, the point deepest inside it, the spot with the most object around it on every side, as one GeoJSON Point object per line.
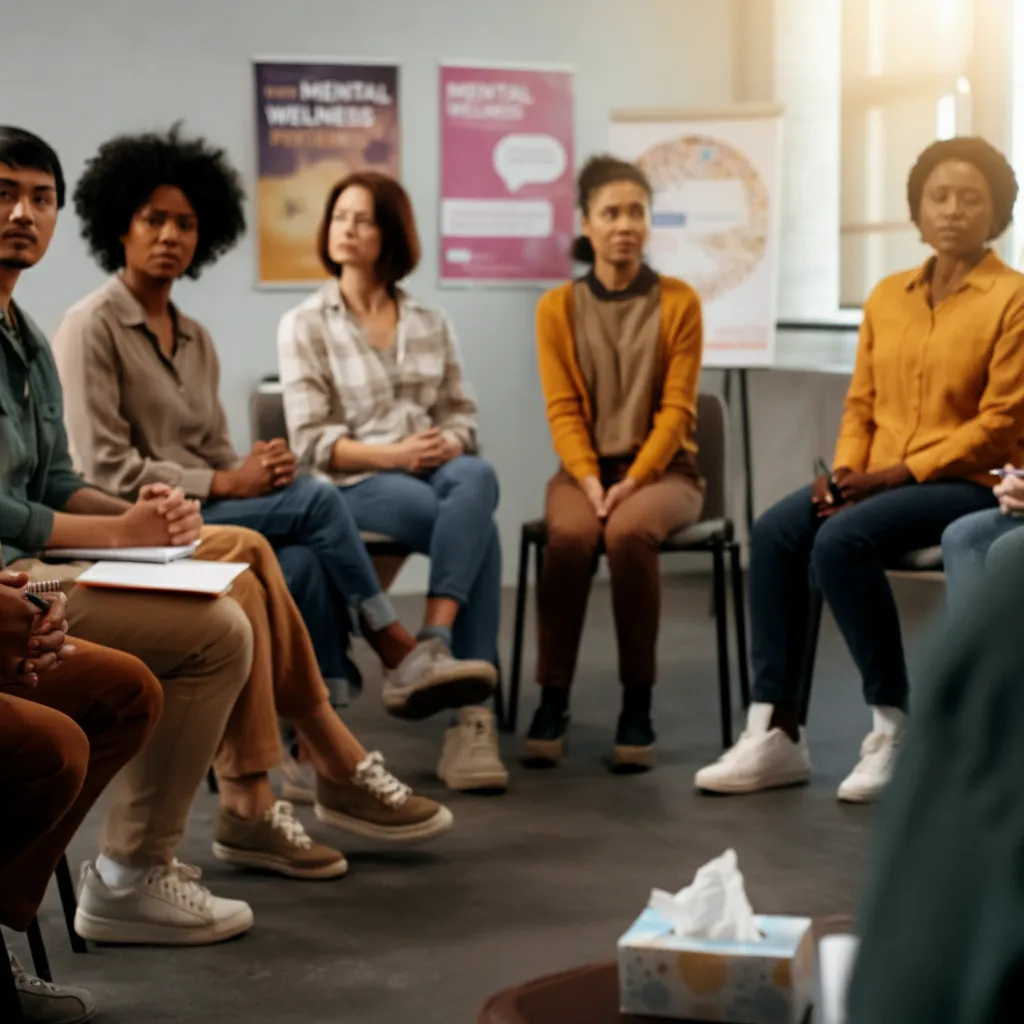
{"type": "Point", "coordinates": [142, 407]}
{"type": "Point", "coordinates": [935, 405]}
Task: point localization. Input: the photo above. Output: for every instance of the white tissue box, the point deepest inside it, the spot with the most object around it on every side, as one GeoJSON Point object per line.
{"type": "Point", "coordinates": [766, 982]}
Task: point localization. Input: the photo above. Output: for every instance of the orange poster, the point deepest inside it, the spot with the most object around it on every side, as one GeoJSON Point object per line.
{"type": "Point", "coordinates": [315, 123]}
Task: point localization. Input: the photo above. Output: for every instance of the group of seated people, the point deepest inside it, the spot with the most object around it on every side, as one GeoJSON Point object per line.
{"type": "Point", "coordinates": [117, 437]}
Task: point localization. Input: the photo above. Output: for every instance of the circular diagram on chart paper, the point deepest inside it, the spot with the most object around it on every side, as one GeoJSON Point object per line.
{"type": "Point", "coordinates": [710, 223]}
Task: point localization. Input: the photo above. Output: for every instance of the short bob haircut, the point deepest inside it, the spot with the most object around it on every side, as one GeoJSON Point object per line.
{"type": "Point", "coordinates": [119, 180]}
{"type": "Point", "coordinates": [23, 150]}
{"type": "Point", "coordinates": [976, 151]}
{"type": "Point", "coordinates": [392, 210]}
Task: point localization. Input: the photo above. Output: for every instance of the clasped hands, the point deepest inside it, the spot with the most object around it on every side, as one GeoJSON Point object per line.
{"type": "Point", "coordinates": [1010, 492]}
{"type": "Point", "coordinates": [31, 643]}
{"type": "Point", "coordinates": [853, 487]}
{"type": "Point", "coordinates": [269, 467]}
{"type": "Point", "coordinates": [161, 516]}
{"type": "Point", "coordinates": [603, 502]}
{"type": "Point", "coordinates": [422, 452]}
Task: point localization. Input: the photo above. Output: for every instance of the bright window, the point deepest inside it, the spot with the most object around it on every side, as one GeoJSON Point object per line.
{"type": "Point", "coordinates": [904, 84]}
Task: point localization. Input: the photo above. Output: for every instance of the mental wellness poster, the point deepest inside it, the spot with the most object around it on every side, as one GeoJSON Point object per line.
{"type": "Point", "coordinates": [315, 123]}
{"type": "Point", "coordinates": [507, 167]}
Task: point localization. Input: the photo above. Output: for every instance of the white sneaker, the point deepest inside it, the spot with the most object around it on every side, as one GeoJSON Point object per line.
{"type": "Point", "coordinates": [429, 680]}
{"type": "Point", "coordinates": [42, 1002]}
{"type": "Point", "coordinates": [759, 760]}
{"type": "Point", "coordinates": [866, 782]}
{"type": "Point", "coordinates": [298, 781]}
{"type": "Point", "coordinates": [470, 758]}
{"type": "Point", "coordinates": [166, 907]}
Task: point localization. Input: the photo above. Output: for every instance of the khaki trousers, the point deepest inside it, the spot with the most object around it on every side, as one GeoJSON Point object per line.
{"type": "Point", "coordinates": [61, 743]}
{"type": "Point", "coordinates": [632, 536]}
{"type": "Point", "coordinates": [228, 667]}
{"type": "Point", "coordinates": [201, 652]}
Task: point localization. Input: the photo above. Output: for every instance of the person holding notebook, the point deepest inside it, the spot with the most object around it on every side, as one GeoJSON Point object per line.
{"type": "Point", "coordinates": [72, 714]}
{"type": "Point", "coordinates": [222, 671]}
{"type": "Point", "coordinates": [142, 407]}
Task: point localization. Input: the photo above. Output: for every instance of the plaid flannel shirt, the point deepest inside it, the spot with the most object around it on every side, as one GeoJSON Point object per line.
{"type": "Point", "coordinates": [336, 385]}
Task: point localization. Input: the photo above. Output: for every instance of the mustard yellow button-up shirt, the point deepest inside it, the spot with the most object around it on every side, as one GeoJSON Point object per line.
{"type": "Point", "coordinates": [941, 390]}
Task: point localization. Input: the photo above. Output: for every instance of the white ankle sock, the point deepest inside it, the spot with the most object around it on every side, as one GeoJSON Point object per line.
{"type": "Point", "coordinates": [114, 875]}
{"type": "Point", "coordinates": [759, 717]}
{"type": "Point", "coordinates": [890, 721]}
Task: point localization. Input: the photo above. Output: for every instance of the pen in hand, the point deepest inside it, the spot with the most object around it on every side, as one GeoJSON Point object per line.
{"type": "Point", "coordinates": [43, 606]}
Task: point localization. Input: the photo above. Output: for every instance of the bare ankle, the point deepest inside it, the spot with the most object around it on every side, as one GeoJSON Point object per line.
{"type": "Point", "coordinates": [787, 718]}
{"type": "Point", "coordinates": [391, 644]}
{"type": "Point", "coordinates": [248, 797]}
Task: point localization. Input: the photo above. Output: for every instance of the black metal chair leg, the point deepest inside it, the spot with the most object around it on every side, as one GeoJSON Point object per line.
{"type": "Point", "coordinates": [40, 961]}
{"type": "Point", "coordinates": [518, 630]}
{"type": "Point", "coordinates": [69, 904]}
{"type": "Point", "coordinates": [722, 636]}
{"type": "Point", "coordinates": [499, 698]}
{"type": "Point", "coordinates": [739, 610]}
{"type": "Point", "coordinates": [815, 606]}
{"type": "Point", "coordinates": [10, 1005]}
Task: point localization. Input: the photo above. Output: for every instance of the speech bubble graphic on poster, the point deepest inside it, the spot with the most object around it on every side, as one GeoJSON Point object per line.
{"type": "Point", "coordinates": [529, 160]}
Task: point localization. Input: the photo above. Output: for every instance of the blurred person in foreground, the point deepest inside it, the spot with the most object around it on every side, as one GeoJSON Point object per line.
{"type": "Point", "coordinates": [942, 927]}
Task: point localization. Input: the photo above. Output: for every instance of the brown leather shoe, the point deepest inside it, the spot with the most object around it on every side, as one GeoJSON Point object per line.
{"type": "Point", "coordinates": [276, 842]}
{"type": "Point", "coordinates": [373, 803]}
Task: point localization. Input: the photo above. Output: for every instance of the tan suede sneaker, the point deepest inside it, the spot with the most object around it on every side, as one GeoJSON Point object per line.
{"type": "Point", "coordinates": [276, 842]}
{"type": "Point", "coordinates": [373, 803]}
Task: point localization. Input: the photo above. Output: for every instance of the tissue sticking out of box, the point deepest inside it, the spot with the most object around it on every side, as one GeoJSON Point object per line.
{"type": "Point", "coordinates": [714, 906]}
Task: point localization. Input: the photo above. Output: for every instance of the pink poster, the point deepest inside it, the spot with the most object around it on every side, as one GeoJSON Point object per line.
{"type": "Point", "coordinates": [506, 174]}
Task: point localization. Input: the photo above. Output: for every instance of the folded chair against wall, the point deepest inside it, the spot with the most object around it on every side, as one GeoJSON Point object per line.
{"type": "Point", "coordinates": [924, 563]}
{"type": "Point", "coordinates": [266, 415]}
{"type": "Point", "coordinates": [713, 535]}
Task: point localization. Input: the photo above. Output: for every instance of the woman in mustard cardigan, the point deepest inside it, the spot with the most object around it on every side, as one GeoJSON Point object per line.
{"type": "Point", "coordinates": [619, 353]}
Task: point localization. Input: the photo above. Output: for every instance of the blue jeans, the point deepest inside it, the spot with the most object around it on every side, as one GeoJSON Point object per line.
{"type": "Point", "coordinates": [324, 562]}
{"type": "Point", "coordinates": [974, 543]}
{"type": "Point", "coordinates": [848, 553]}
{"type": "Point", "coordinates": [448, 516]}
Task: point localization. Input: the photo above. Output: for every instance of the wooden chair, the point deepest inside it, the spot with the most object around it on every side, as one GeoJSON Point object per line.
{"type": "Point", "coordinates": [713, 535]}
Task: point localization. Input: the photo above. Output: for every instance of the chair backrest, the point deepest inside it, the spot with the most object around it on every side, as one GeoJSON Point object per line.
{"type": "Point", "coordinates": [266, 412]}
{"type": "Point", "coordinates": [712, 437]}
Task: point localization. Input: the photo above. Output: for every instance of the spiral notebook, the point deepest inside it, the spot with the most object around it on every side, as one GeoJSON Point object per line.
{"type": "Point", "coordinates": [210, 579]}
{"type": "Point", "coordinates": [153, 555]}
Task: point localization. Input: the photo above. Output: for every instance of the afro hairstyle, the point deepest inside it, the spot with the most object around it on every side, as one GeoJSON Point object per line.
{"type": "Point", "coordinates": [128, 169]}
{"type": "Point", "coordinates": [974, 150]}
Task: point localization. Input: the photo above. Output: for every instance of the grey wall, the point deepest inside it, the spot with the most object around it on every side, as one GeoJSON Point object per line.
{"type": "Point", "coordinates": [77, 72]}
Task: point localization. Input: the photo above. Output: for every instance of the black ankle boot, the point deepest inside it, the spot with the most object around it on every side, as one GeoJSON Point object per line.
{"type": "Point", "coordinates": [634, 737]}
{"type": "Point", "coordinates": [545, 742]}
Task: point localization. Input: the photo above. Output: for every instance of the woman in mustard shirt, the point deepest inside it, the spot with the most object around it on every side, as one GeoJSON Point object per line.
{"type": "Point", "coordinates": [936, 402]}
